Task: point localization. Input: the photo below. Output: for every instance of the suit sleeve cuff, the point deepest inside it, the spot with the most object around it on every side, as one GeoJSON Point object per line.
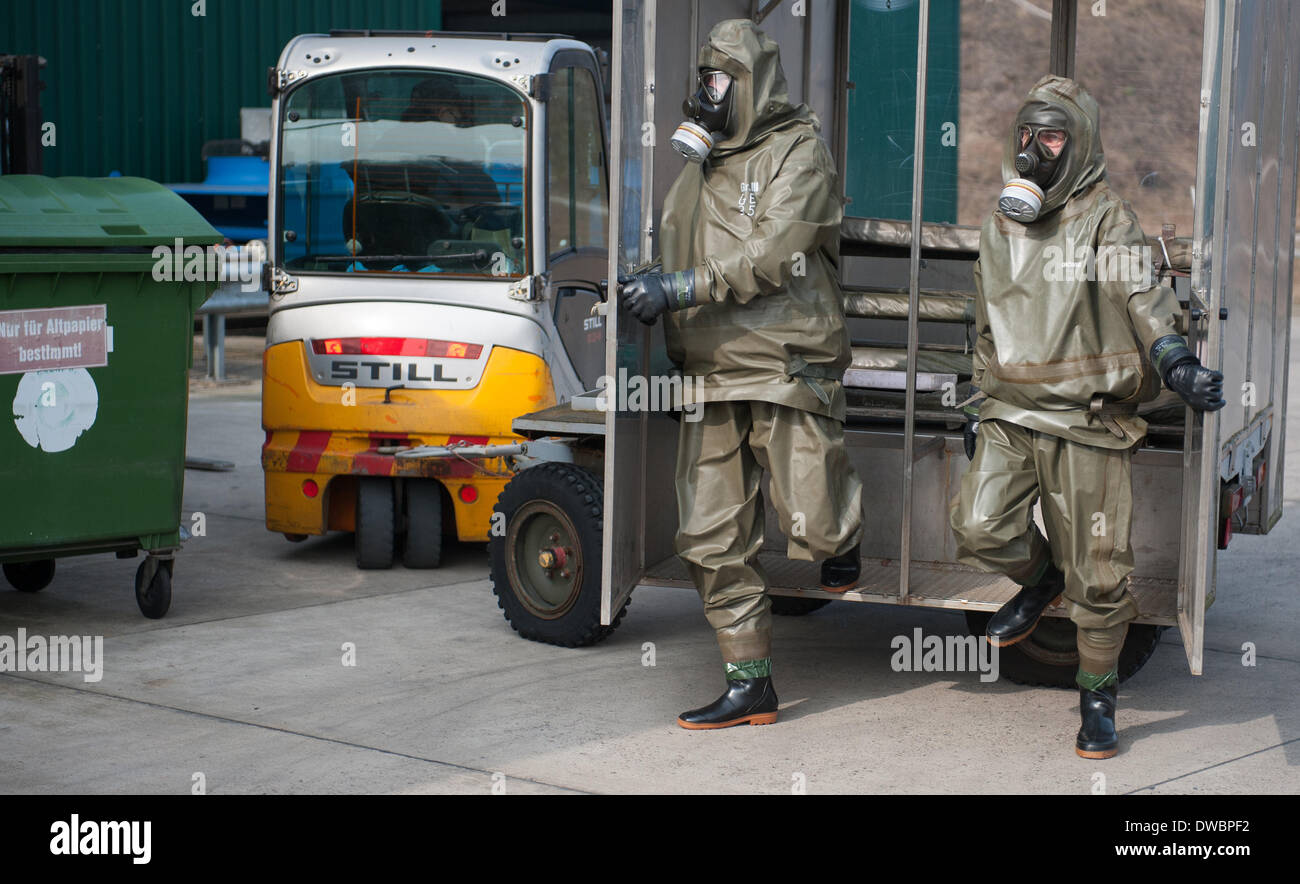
{"type": "Point", "coordinates": [1168, 352]}
{"type": "Point", "coordinates": [704, 287]}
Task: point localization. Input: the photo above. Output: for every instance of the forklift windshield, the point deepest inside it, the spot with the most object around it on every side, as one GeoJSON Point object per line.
{"type": "Point", "coordinates": [403, 172]}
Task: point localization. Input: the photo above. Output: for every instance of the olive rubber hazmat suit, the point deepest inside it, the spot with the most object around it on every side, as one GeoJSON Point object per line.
{"type": "Point", "coordinates": [1067, 311]}
{"type": "Point", "coordinates": [758, 223]}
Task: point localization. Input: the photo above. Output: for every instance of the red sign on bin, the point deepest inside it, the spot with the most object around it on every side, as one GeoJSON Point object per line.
{"type": "Point", "coordinates": [55, 337]}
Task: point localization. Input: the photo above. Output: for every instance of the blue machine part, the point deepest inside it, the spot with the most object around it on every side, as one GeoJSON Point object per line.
{"type": "Point", "coordinates": [331, 188]}
{"type": "Point", "coordinates": [233, 197]}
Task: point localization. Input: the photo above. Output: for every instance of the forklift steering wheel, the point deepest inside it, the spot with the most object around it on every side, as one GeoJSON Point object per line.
{"type": "Point", "coordinates": [446, 223]}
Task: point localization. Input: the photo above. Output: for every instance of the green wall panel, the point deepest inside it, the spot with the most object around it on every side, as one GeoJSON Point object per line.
{"type": "Point", "coordinates": [138, 86]}
{"type": "Point", "coordinates": [882, 109]}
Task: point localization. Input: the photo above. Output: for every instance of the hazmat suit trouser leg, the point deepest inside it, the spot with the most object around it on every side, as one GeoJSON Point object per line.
{"type": "Point", "coordinates": [814, 489]}
{"type": "Point", "coordinates": [1087, 508]}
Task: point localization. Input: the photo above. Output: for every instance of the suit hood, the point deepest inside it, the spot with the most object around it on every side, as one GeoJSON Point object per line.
{"type": "Point", "coordinates": [1085, 162]}
{"type": "Point", "coordinates": [761, 103]}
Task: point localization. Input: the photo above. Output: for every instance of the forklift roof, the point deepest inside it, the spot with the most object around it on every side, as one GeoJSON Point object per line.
{"type": "Point", "coordinates": [503, 56]}
{"type": "Point", "coordinates": [474, 35]}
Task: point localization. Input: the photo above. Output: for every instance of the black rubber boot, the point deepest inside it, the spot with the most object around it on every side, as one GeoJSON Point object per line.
{"type": "Point", "coordinates": [747, 701]}
{"type": "Point", "coordinates": [840, 573]}
{"type": "Point", "coordinates": [1016, 619]}
{"type": "Point", "coordinates": [1097, 737]}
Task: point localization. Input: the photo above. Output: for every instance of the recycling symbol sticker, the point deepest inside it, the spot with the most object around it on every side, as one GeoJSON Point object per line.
{"type": "Point", "coordinates": [53, 408]}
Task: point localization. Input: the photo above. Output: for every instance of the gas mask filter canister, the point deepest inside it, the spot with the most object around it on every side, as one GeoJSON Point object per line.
{"type": "Point", "coordinates": [1021, 200]}
{"type": "Point", "coordinates": [692, 141]}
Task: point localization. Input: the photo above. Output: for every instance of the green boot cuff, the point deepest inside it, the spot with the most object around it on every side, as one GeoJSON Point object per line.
{"type": "Point", "coordinates": [749, 669]}
{"type": "Point", "coordinates": [1093, 682]}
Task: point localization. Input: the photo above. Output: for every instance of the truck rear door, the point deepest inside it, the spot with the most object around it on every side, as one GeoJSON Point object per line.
{"type": "Point", "coordinates": [1241, 289]}
{"type": "Point", "coordinates": [628, 342]}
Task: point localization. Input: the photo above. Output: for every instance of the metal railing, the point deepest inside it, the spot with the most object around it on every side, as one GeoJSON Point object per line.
{"type": "Point", "coordinates": [236, 297]}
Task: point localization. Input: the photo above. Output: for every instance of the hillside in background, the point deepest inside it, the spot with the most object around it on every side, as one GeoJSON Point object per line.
{"type": "Point", "coordinates": [1141, 61]}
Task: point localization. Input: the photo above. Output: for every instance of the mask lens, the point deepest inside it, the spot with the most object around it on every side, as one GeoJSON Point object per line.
{"type": "Point", "coordinates": [1052, 139]}
{"type": "Point", "coordinates": [715, 84]}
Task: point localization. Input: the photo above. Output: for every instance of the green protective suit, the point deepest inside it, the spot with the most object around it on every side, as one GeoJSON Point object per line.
{"type": "Point", "coordinates": [815, 492]}
{"type": "Point", "coordinates": [1058, 351]}
{"type": "Point", "coordinates": [1066, 313]}
{"type": "Point", "coordinates": [758, 222]}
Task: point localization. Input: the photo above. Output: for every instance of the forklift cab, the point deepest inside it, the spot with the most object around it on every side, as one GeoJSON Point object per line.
{"type": "Point", "coordinates": [439, 216]}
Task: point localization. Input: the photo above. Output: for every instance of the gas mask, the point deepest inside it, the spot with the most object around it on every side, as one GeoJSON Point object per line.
{"type": "Point", "coordinates": [1041, 143]}
{"type": "Point", "coordinates": [708, 114]}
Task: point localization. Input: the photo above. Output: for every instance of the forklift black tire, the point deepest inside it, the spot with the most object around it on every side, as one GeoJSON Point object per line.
{"type": "Point", "coordinates": [794, 606]}
{"type": "Point", "coordinates": [375, 528]}
{"type": "Point", "coordinates": [423, 547]}
{"type": "Point", "coordinates": [29, 576]}
{"type": "Point", "coordinates": [156, 598]}
{"type": "Point", "coordinates": [1049, 658]}
{"type": "Point", "coordinates": [546, 563]}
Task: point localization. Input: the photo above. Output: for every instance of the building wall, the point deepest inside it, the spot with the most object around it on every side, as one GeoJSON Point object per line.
{"type": "Point", "coordinates": [138, 86]}
{"type": "Point", "coordinates": [591, 21]}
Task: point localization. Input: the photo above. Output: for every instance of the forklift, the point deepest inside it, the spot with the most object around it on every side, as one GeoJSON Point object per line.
{"type": "Point", "coordinates": [439, 232]}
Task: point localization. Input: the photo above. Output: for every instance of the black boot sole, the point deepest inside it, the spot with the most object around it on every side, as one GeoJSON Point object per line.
{"type": "Point", "coordinates": [753, 718]}
{"type": "Point", "coordinates": [1005, 642]}
{"type": "Point", "coordinates": [1097, 753]}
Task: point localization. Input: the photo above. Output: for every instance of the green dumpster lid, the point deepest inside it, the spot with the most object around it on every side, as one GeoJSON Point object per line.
{"type": "Point", "coordinates": [96, 213]}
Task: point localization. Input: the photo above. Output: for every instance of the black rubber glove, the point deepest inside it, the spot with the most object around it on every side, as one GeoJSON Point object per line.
{"type": "Point", "coordinates": [972, 428]}
{"type": "Point", "coordinates": [1200, 387]}
{"type": "Point", "coordinates": [647, 295]}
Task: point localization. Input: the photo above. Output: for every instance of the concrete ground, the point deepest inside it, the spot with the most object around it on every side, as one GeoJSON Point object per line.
{"type": "Point", "coordinates": [243, 681]}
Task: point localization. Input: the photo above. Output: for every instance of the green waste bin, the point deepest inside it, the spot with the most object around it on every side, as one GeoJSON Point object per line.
{"type": "Point", "coordinates": [96, 331]}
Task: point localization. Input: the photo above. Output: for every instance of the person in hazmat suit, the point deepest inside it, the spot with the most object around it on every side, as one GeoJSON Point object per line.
{"type": "Point", "coordinates": [1073, 332]}
{"type": "Point", "coordinates": [754, 313]}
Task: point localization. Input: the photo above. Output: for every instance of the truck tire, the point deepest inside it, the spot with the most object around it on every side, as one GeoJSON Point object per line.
{"type": "Point", "coordinates": [423, 547]}
{"type": "Point", "coordinates": [29, 576]}
{"type": "Point", "coordinates": [793, 606]}
{"type": "Point", "coordinates": [546, 563]}
{"type": "Point", "coordinates": [1049, 658]}
{"type": "Point", "coordinates": [375, 529]}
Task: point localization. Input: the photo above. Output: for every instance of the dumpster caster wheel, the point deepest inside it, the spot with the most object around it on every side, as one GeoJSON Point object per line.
{"type": "Point", "coordinates": [156, 597]}
{"type": "Point", "coordinates": [423, 524]}
{"type": "Point", "coordinates": [375, 526]}
{"type": "Point", "coordinates": [546, 567]}
{"type": "Point", "coordinates": [295, 538]}
{"type": "Point", "coordinates": [29, 576]}
{"type": "Point", "coordinates": [1049, 657]}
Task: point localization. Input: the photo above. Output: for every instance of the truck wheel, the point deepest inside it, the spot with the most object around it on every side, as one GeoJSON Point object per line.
{"type": "Point", "coordinates": [374, 538]}
{"type": "Point", "coordinates": [423, 524]}
{"type": "Point", "coordinates": [1050, 658]}
{"type": "Point", "coordinates": [29, 576]}
{"type": "Point", "coordinates": [546, 565]}
{"type": "Point", "coordinates": [155, 598]}
{"type": "Point", "coordinates": [793, 606]}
